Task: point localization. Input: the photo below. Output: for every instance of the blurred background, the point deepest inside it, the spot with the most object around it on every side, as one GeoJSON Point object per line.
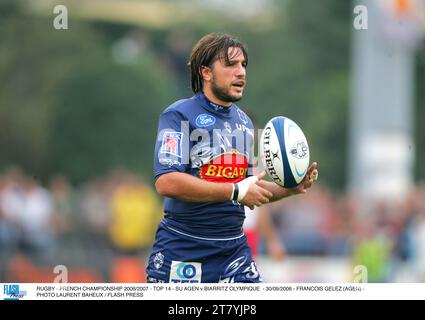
{"type": "Point", "coordinates": [79, 104]}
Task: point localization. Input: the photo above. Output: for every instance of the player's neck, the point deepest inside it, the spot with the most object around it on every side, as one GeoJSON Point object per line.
{"type": "Point", "coordinates": [208, 93]}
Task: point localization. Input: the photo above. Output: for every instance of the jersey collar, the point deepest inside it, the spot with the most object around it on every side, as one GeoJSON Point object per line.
{"type": "Point", "coordinates": [213, 107]}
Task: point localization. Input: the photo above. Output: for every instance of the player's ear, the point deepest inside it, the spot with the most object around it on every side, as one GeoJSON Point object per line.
{"type": "Point", "coordinates": [205, 73]}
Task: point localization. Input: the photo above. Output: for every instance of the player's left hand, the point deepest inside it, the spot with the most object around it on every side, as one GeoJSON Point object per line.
{"type": "Point", "coordinates": [309, 179]}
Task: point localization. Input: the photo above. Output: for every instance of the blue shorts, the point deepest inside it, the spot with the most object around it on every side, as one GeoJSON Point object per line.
{"type": "Point", "coordinates": [178, 258]}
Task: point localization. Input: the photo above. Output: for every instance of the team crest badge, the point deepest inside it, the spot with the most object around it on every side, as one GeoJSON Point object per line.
{"type": "Point", "coordinates": [172, 143]}
{"type": "Point", "coordinates": [158, 260]}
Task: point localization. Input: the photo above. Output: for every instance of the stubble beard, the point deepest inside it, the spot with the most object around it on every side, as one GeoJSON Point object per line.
{"type": "Point", "coordinates": [223, 94]}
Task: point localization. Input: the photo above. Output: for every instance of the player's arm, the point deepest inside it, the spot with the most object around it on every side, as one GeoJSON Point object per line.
{"type": "Point", "coordinates": [280, 193]}
{"type": "Point", "coordinates": [185, 187]}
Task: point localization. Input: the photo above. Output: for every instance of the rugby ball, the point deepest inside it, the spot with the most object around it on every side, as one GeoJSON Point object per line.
{"type": "Point", "coordinates": [284, 152]}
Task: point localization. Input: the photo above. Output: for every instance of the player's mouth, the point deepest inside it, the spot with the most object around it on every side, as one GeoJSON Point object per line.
{"type": "Point", "coordinates": [239, 85]}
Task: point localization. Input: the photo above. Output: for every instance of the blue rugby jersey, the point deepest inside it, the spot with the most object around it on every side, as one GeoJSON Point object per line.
{"type": "Point", "coordinates": [211, 142]}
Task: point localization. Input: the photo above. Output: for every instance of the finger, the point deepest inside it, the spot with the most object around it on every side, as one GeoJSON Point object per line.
{"type": "Point", "coordinates": [314, 174]}
{"type": "Point", "coordinates": [264, 200]}
{"type": "Point", "coordinates": [308, 183]}
{"type": "Point", "coordinates": [311, 175]}
{"type": "Point", "coordinates": [261, 175]}
{"type": "Point", "coordinates": [306, 180]}
{"type": "Point", "coordinates": [302, 188]}
{"type": "Point", "coordinates": [266, 193]}
{"type": "Point", "coordinates": [312, 168]}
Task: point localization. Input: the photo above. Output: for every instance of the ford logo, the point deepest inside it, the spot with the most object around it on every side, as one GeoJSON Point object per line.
{"type": "Point", "coordinates": [204, 120]}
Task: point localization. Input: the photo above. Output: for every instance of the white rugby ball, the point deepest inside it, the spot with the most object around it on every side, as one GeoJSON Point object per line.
{"type": "Point", "coordinates": [284, 151]}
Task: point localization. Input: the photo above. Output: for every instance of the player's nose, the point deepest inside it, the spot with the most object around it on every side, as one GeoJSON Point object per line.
{"type": "Point", "coordinates": [240, 71]}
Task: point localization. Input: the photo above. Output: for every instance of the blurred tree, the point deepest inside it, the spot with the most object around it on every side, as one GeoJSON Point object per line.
{"type": "Point", "coordinates": [107, 117]}
{"type": "Point", "coordinates": [34, 58]}
{"type": "Point", "coordinates": [67, 105]}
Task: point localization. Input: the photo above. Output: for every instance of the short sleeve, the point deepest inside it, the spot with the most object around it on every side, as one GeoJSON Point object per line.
{"type": "Point", "coordinates": [172, 144]}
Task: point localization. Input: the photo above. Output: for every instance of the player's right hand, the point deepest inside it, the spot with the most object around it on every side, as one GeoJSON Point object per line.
{"type": "Point", "coordinates": [255, 195]}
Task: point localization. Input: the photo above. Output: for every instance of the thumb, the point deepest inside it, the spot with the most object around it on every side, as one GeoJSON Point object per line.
{"type": "Point", "coordinates": [261, 175]}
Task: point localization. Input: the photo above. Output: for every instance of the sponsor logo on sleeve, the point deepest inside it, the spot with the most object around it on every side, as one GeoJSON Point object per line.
{"type": "Point", "coordinates": [172, 144]}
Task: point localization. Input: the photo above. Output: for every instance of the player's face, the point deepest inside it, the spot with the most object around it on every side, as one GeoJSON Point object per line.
{"type": "Point", "coordinates": [227, 80]}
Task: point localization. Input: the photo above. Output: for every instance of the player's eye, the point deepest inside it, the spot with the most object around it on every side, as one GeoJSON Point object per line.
{"type": "Point", "coordinates": [233, 63]}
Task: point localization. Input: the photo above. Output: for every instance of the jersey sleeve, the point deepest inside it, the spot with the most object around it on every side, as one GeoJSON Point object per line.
{"type": "Point", "coordinates": [172, 144]}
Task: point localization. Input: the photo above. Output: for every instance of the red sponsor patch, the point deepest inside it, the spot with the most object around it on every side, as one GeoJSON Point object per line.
{"type": "Point", "coordinates": [226, 167]}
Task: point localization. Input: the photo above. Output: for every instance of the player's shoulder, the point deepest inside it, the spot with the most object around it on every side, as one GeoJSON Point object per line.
{"type": "Point", "coordinates": [242, 115]}
{"type": "Point", "coordinates": [182, 106]}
